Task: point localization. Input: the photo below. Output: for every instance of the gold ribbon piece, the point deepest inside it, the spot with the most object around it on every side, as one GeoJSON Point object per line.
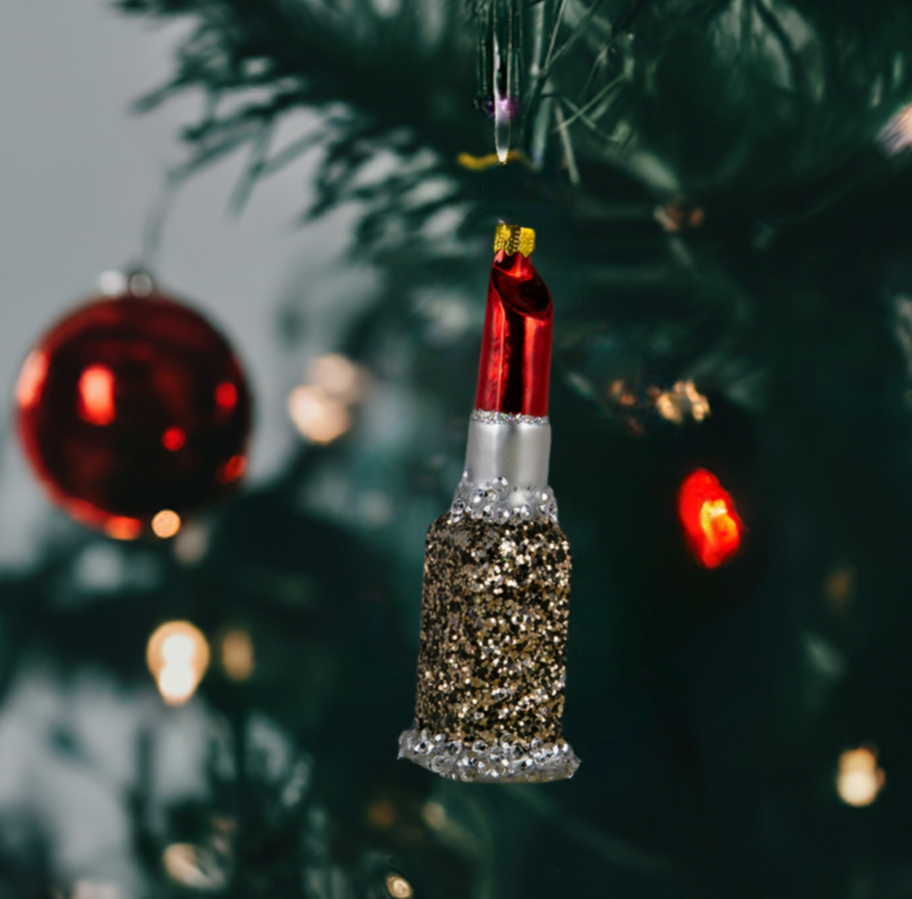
{"type": "Point", "coordinates": [514, 239]}
{"type": "Point", "coordinates": [481, 163]}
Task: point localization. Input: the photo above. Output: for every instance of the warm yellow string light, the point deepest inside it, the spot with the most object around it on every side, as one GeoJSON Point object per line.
{"type": "Point", "coordinates": [177, 656]}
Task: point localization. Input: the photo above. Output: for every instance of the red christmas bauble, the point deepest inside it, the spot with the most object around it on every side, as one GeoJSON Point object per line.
{"type": "Point", "coordinates": [131, 406]}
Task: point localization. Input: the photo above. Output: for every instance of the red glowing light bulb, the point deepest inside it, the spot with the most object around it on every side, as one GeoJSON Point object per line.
{"type": "Point", "coordinates": [515, 363]}
{"type": "Point", "coordinates": [708, 516]}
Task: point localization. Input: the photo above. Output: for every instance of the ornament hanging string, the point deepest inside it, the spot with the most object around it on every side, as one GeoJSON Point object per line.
{"type": "Point", "coordinates": [157, 215]}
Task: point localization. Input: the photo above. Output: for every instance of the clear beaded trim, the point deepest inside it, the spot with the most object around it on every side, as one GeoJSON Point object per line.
{"type": "Point", "coordinates": [504, 418]}
{"type": "Point", "coordinates": [501, 763]}
{"type": "Point", "coordinates": [497, 501]}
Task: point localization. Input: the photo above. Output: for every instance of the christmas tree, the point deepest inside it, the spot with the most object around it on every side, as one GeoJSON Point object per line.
{"type": "Point", "coordinates": [717, 191]}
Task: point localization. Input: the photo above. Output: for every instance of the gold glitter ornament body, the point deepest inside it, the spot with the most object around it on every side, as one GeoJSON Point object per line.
{"type": "Point", "coordinates": [495, 605]}
{"type": "Point", "coordinates": [493, 648]}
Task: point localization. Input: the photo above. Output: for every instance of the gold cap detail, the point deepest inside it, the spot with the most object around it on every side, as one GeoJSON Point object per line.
{"type": "Point", "coordinates": [514, 239]}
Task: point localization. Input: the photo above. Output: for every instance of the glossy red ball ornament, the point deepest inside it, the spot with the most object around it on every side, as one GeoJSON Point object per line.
{"type": "Point", "coordinates": [712, 527]}
{"type": "Point", "coordinates": [131, 406]}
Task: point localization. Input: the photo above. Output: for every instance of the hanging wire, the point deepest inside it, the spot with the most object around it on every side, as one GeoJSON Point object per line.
{"type": "Point", "coordinates": [500, 70]}
{"type": "Point", "coordinates": [157, 216]}
{"type": "Point", "coordinates": [503, 86]}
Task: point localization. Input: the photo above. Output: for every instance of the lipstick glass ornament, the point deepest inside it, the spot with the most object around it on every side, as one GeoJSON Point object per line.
{"type": "Point", "coordinates": [495, 605]}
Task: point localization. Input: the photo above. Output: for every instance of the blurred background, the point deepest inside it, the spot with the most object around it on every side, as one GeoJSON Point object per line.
{"type": "Point", "coordinates": [720, 191]}
{"type": "Point", "coordinates": [82, 176]}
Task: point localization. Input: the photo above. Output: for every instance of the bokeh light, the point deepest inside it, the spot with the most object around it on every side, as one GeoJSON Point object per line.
{"type": "Point", "coordinates": [226, 396]}
{"type": "Point", "coordinates": [339, 377]}
{"type": "Point", "coordinates": [194, 867]}
{"type": "Point", "coordinates": [679, 215]}
{"type": "Point", "coordinates": [112, 283]}
{"type": "Point", "coordinates": [896, 135]}
{"type": "Point", "coordinates": [174, 438]}
{"type": "Point", "coordinates": [839, 588]}
{"type": "Point", "coordinates": [92, 889]}
{"type": "Point", "coordinates": [140, 284]}
{"type": "Point", "coordinates": [398, 887]}
{"type": "Point", "coordinates": [320, 408]}
{"type": "Point", "coordinates": [860, 778]}
{"type": "Point", "coordinates": [381, 814]}
{"type": "Point", "coordinates": [708, 516]}
{"type": "Point", "coordinates": [166, 524]}
{"type": "Point", "coordinates": [192, 543]}
{"type": "Point", "coordinates": [434, 815]}
{"type": "Point", "coordinates": [316, 415]}
{"type": "Point", "coordinates": [237, 655]}
{"type": "Point", "coordinates": [122, 528]}
{"type": "Point", "coordinates": [681, 402]}
{"type": "Point", "coordinates": [177, 656]}
{"type": "Point", "coordinates": [232, 469]}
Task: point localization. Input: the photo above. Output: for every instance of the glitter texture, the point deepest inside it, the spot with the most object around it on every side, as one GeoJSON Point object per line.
{"type": "Point", "coordinates": [501, 763]}
{"type": "Point", "coordinates": [499, 502]}
{"type": "Point", "coordinates": [514, 239]}
{"type": "Point", "coordinates": [492, 657]}
{"type": "Point", "coordinates": [502, 418]}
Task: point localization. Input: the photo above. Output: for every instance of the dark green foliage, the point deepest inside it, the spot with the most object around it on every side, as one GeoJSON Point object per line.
{"type": "Point", "coordinates": [763, 114]}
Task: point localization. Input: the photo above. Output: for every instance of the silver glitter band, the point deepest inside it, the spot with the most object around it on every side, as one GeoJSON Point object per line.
{"type": "Point", "coordinates": [506, 472]}
{"type": "Point", "coordinates": [499, 502]}
{"type": "Point", "coordinates": [503, 418]}
{"type": "Point", "coordinates": [501, 763]}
